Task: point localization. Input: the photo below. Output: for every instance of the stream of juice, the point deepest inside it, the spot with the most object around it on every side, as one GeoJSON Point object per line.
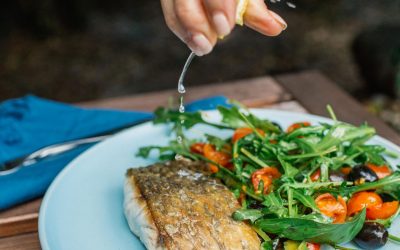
{"type": "Point", "coordinates": [182, 91]}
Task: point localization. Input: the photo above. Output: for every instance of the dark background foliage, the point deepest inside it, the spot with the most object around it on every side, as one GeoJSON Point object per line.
{"type": "Point", "coordinates": [73, 50]}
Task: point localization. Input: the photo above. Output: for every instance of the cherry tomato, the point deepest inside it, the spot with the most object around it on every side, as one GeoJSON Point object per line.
{"type": "Point", "coordinates": [332, 207]}
{"type": "Point", "coordinates": [380, 171]}
{"type": "Point", "coordinates": [383, 211]}
{"type": "Point", "coordinates": [316, 175]}
{"type": "Point", "coordinates": [363, 199]}
{"type": "Point", "coordinates": [216, 156]}
{"type": "Point", "coordinates": [273, 141]}
{"type": "Point", "coordinates": [297, 125]}
{"type": "Point", "coordinates": [197, 148]}
{"type": "Point", "coordinates": [242, 132]}
{"type": "Point", "coordinates": [313, 246]}
{"type": "Point", "coordinates": [266, 174]}
{"type": "Point", "coordinates": [242, 198]}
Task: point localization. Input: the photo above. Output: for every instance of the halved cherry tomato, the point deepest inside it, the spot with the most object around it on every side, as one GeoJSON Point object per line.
{"type": "Point", "coordinates": [316, 175]}
{"type": "Point", "coordinates": [363, 199]}
{"type": "Point", "coordinates": [216, 156]}
{"type": "Point", "coordinates": [380, 171]}
{"type": "Point", "coordinates": [197, 148]}
{"type": "Point", "coordinates": [383, 211]}
{"type": "Point", "coordinates": [345, 170]}
{"type": "Point", "coordinates": [273, 141]}
{"type": "Point", "coordinates": [267, 175]}
{"type": "Point", "coordinates": [297, 125]}
{"type": "Point", "coordinates": [242, 132]}
{"type": "Point", "coordinates": [313, 246]}
{"type": "Point", "coordinates": [332, 207]}
{"type": "Point", "coordinates": [242, 197]}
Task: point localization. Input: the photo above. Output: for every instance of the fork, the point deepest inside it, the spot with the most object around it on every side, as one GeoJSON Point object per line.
{"type": "Point", "coordinates": [52, 150]}
{"type": "Point", "coordinates": [12, 166]}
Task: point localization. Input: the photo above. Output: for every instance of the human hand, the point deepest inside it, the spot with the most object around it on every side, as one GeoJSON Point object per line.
{"type": "Point", "coordinates": [199, 23]}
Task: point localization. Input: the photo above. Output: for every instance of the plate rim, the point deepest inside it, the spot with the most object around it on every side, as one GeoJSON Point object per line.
{"type": "Point", "coordinates": [53, 186]}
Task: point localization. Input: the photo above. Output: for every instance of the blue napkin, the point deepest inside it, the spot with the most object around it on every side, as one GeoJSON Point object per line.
{"type": "Point", "coordinates": [30, 123]}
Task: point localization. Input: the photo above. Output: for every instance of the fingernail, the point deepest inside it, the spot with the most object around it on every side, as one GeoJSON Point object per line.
{"type": "Point", "coordinates": [279, 19]}
{"type": "Point", "coordinates": [201, 45]}
{"type": "Point", "coordinates": [221, 24]}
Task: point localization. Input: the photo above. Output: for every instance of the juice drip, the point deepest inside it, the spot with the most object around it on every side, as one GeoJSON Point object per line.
{"type": "Point", "coordinates": [182, 91]}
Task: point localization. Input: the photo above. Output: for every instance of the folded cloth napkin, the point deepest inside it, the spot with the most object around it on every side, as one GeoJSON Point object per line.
{"type": "Point", "coordinates": [30, 123]}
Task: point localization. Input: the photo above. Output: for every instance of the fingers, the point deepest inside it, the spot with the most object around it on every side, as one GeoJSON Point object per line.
{"type": "Point", "coordinates": [199, 23]}
{"type": "Point", "coordinates": [259, 18]}
{"type": "Point", "coordinates": [172, 21]}
{"type": "Point", "coordinates": [193, 18]}
{"type": "Point", "coordinates": [222, 15]}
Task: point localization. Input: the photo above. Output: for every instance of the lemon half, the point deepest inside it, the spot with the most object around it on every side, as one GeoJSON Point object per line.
{"type": "Point", "coordinates": [240, 10]}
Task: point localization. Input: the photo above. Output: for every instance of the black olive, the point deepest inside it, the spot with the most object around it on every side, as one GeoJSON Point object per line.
{"type": "Point", "coordinates": [277, 244]}
{"type": "Point", "coordinates": [372, 236]}
{"type": "Point", "coordinates": [337, 176]}
{"type": "Point", "coordinates": [256, 205]}
{"type": "Point", "coordinates": [294, 152]}
{"type": "Point", "coordinates": [386, 197]}
{"type": "Point", "coordinates": [362, 172]}
{"type": "Point", "coordinates": [277, 125]}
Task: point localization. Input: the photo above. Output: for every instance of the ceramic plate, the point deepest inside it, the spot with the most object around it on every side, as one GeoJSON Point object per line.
{"type": "Point", "coordinates": [82, 209]}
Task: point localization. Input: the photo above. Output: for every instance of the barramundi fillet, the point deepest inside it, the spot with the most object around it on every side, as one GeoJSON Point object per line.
{"type": "Point", "coordinates": [177, 205]}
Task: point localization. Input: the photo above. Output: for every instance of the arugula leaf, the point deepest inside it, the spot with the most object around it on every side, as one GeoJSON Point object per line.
{"type": "Point", "coordinates": [305, 199]}
{"type": "Point", "coordinates": [216, 141]}
{"type": "Point", "coordinates": [267, 245]}
{"type": "Point", "coordinates": [247, 214]}
{"type": "Point", "coordinates": [391, 182]}
{"type": "Point", "coordinates": [290, 171]}
{"type": "Point", "coordinates": [237, 119]}
{"type": "Point", "coordinates": [163, 115]}
{"type": "Point", "coordinates": [274, 203]}
{"type": "Point", "coordinates": [309, 230]}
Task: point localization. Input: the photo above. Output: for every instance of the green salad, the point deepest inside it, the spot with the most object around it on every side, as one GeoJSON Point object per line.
{"type": "Point", "coordinates": [307, 185]}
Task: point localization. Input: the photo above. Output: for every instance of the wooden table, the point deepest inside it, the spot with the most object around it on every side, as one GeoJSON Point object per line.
{"type": "Point", "coordinates": [307, 91]}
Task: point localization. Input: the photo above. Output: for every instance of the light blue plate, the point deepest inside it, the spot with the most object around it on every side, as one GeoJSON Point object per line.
{"type": "Point", "coordinates": [83, 210]}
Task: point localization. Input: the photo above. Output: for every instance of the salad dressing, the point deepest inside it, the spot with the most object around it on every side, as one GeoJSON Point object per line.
{"type": "Point", "coordinates": [182, 91]}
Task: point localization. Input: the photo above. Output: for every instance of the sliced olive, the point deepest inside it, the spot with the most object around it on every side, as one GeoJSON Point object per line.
{"type": "Point", "coordinates": [372, 236]}
{"type": "Point", "coordinates": [386, 197]}
{"type": "Point", "coordinates": [362, 173]}
{"type": "Point", "coordinates": [277, 125]}
{"type": "Point", "coordinates": [256, 205]}
{"type": "Point", "coordinates": [337, 176]}
{"type": "Point", "coordinates": [277, 244]}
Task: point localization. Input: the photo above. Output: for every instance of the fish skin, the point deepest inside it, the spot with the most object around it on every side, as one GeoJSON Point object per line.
{"type": "Point", "coordinates": [177, 205]}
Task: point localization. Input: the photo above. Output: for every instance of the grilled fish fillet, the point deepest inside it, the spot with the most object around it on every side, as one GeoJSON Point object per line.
{"type": "Point", "coordinates": [177, 205]}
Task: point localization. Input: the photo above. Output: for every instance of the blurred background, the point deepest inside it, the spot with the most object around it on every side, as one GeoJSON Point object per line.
{"type": "Point", "coordinates": [77, 50]}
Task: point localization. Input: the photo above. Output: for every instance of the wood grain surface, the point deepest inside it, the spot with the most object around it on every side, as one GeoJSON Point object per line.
{"type": "Point", "coordinates": [314, 92]}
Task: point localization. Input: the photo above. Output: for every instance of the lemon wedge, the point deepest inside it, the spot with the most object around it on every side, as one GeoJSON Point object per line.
{"type": "Point", "coordinates": [240, 10]}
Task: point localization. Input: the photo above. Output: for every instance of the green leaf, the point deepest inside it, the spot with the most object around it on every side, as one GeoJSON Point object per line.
{"type": "Point", "coordinates": [231, 116]}
{"type": "Point", "coordinates": [290, 171]}
{"type": "Point", "coordinates": [305, 199]}
{"type": "Point", "coordinates": [273, 202]}
{"type": "Point", "coordinates": [389, 183]}
{"type": "Point", "coordinates": [266, 245]}
{"type": "Point", "coordinates": [342, 132]}
{"type": "Point", "coordinates": [216, 141]}
{"type": "Point", "coordinates": [247, 214]}
{"type": "Point", "coordinates": [309, 230]}
{"type": "Point", "coordinates": [235, 118]}
{"type": "Point", "coordinates": [164, 115]}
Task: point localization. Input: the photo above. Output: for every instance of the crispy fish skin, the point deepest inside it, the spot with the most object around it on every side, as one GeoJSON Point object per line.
{"type": "Point", "coordinates": [177, 205]}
